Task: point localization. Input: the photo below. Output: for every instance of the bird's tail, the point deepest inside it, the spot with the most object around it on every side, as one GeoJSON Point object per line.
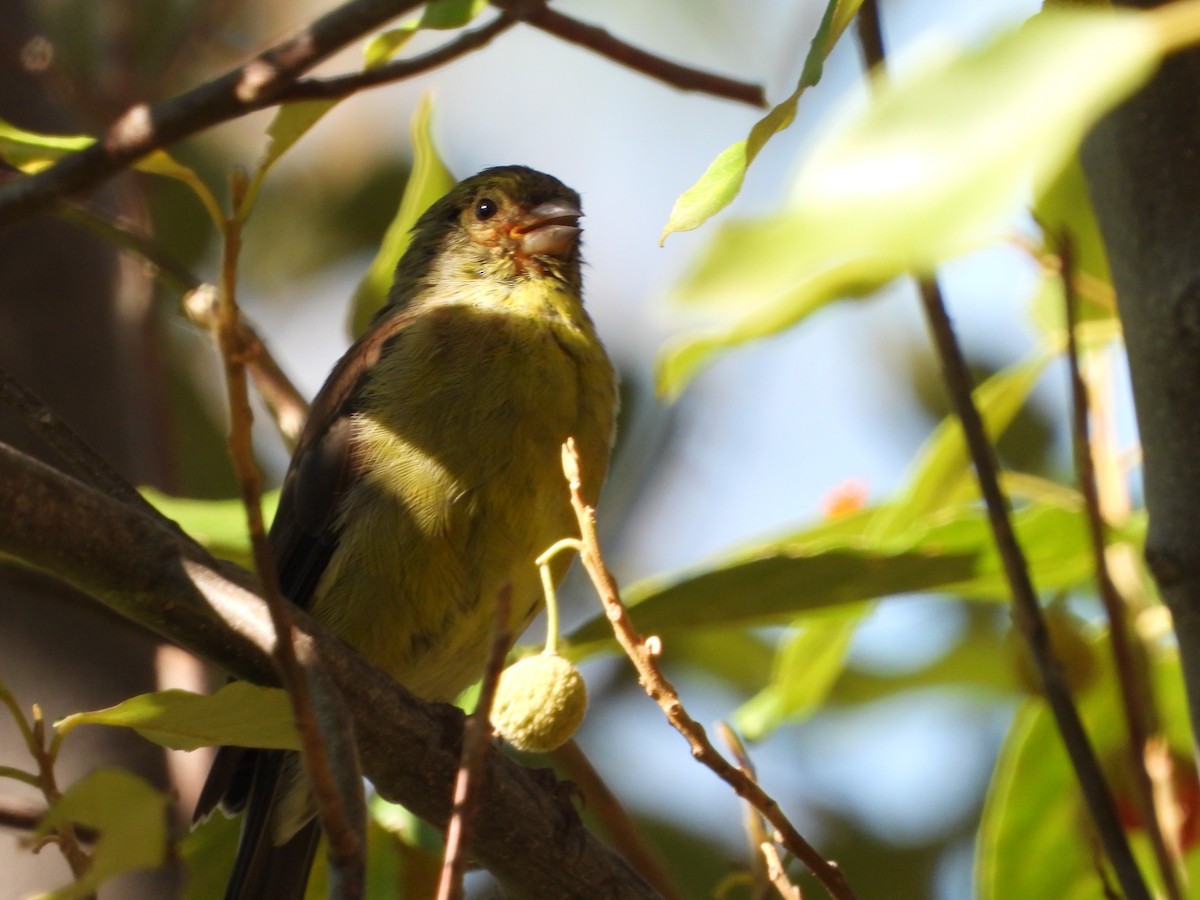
{"type": "Point", "coordinates": [257, 781]}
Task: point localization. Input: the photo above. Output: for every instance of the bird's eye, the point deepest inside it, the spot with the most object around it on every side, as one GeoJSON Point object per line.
{"type": "Point", "coordinates": [485, 208]}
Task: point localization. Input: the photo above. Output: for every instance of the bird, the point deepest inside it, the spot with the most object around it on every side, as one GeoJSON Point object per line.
{"type": "Point", "coordinates": [428, 476]}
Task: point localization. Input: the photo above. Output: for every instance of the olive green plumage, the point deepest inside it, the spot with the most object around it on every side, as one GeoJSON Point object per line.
{"type": "Point", "coordinates": [428, 476]}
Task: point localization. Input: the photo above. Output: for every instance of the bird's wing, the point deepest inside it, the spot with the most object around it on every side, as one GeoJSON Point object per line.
{"type": "Point", "coordinates": [304, 534]}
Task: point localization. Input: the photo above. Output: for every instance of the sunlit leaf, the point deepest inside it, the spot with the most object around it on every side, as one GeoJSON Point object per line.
{"type": "Point", "coordinates": [130, 816]}
{"type": "Point", "coordinates": [723, 178]}
{"type": "Point", "coordinates": [242, 714]}
{"type": "Point", "coordinates": [943, 463]}
{"type": "Point", "coordinates": [290, 123]}
{"type": "Point", "coordinates": [936, 166]}
{"type": "Point", "coordinates": [1033, 840]}
{"type": "Point", "coordinates": [32, 152]}
{"type": "Point", "coordinates": [428, 181]}
{"type": "Point", "coordinates": [807, 665]}
{"type": "Point", "coordinates": [439, 14]}
{"type": "Point", "coordinates": [950, 552]}
{"type": "Point", "coordinates": [207, 851]}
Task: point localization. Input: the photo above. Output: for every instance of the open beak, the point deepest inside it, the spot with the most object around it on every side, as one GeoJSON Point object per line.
{"type": "Point", "coordinates": [549, 229]}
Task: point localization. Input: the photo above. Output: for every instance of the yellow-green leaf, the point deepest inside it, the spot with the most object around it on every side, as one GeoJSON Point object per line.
{"type": "Point", "coordinates": [32, 152]}
{"type": "Point", "coordinates": [130, 816]}
{"type": "Point", "coordinates": [220, 525]}
{"type": "Point", "coordinates": [936, 166]}
{"type": "Point", "coordinates": [440, 14]}
{"type": "Point", "coordinates": [242, 714]}
{"type": "Point", "coordinates": [290, 123]}
{"type": "Point", "coordinates": [428, 181]}
{"type": "Point", "coordinates": [723, 178]}
{"type": "Point", "coordinates": [808, 662]}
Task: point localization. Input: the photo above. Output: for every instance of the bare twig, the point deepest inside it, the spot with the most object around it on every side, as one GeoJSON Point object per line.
{"type": "Point", "coordinates": [344, 830]}
{"type": "Point", "coordinates": [23, 817]}
{"type": "Point", "coordinates": [777, 874]}
{"type": "Point", "coordinates": [1136, 696]}
{"type": "Point", "coordinates": [756, 829]}
{"type": "Point", "coordinates": [600, 41]}
{"type": "Point", "coordinates": [287, 405]}
{"type": "Point", "coordinates": [623, 832]}
{"type": "Point", "coordinates": [1026, 613]}
{"type": "Point", "coordinates": [644, 655]}
{"type": "Point", "coordinates": [476, 735]}
{"type": "Point", "coordinates": [338, 86]}
{"type": "Point", "coordinates": [45, 754]}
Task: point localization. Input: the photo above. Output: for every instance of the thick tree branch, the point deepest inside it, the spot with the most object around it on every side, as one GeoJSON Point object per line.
{"type": "Point", "coordinates": [525, 834]}
{"type": "Point", "coordinates": [1140, 164]}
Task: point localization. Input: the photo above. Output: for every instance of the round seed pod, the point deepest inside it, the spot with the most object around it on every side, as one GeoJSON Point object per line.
{"type": "Point", "coordinates": [540, 702]}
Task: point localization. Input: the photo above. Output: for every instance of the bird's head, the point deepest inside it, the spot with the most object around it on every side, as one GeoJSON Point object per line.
{"type": "Point", "coordinates": [506, 222]}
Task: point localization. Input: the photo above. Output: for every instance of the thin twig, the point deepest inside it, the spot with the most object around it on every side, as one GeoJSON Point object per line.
{"type": "Point", "coordinates": [600, 41]}
{"type": "Point", "coordinates": [756, 829]}
{"type": "Point", "coordinates": [644, 655]}
{"type": "Point", "coordinates": [286, 404]}
{"type": "Point", "coordinates": [1134, 691]}
{"type": "Point", "coordinates": [1026, 612]}
{"type": "Point", "coordinates": [476, 736]}
{"type": "Point", "coordinates": [20, 817]}
{"type": "Point", "coordinates": [622, 831]}
{"type": "Point", "coordinates": [338, 86]}
{"type": "Point", "coordinates": [777, 874]}
{"type": "Point", "coordinates": [346, 850]}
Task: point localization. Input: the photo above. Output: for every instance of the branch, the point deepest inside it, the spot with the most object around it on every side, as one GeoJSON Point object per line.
{"type": "Point", "coordinates": [643, 653]}
{"type": "Point", "coordinates": [1139, 162]}
{"type": "Point", "coordinates": [600, 41]}
{"type": "Point", "coordinates": [339, 86]}
{"type": "Point", "coordinates": [326, 734]}
{"type": "Point", "coordinates": [1135, 695]}
{"type": "Point", "coordinates": [144, 128]}
{"type": "Point", "coordinates": [476, 735]}
{"type": "Point", "coordinates": [524, 834]}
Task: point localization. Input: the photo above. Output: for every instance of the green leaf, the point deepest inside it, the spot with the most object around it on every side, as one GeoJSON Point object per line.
{"type": "Point", "coordinates": [290, 123]}
{"type": "Point", "coordinates": [936, 166]}
{"type": "Point", "coordinates": [130, 816]}
{"type": "Point", "coordinates": [242, 714]}
{"type": "Point", "coordinates": [808, 663]}
{"type": "Point", "coordinates": [428, 182]}
{"type": "Point", "coordinates": [943, 462]}
{"type": "Point", "coordinates": [1033, 838]}
{"type": "Point", "coordinates": [723, 178]}
{"type": "Point", "coordinates": [208, 851]}
{"type": "Point", "coordinates": [32, 152]}
{"type": "Point", "coordinates": [950, 552]}
{"type": "Point", "coordinates": [220, 525]}
{"type": "Point", "coordinates": [439, 14]}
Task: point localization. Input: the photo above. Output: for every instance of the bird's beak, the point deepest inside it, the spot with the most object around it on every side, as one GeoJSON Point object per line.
{"type": "Point", "coordinates": [549, 229]}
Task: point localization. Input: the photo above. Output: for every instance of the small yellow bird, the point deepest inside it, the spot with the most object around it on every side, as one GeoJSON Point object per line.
{"type": "Point", "coordinates": [428, 476]}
